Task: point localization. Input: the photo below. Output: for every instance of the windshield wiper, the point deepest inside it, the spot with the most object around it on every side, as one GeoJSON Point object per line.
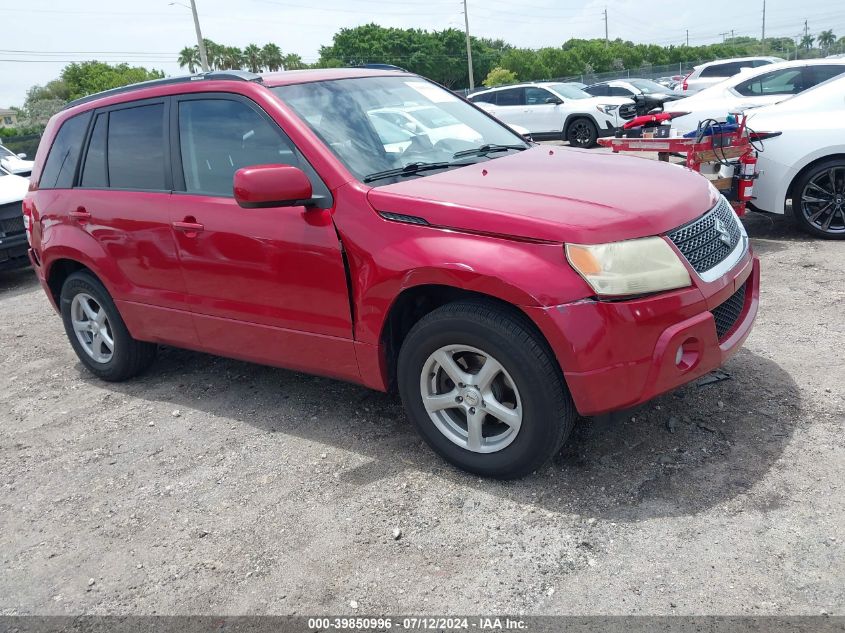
{"type": "Point", "coordinates": [410, 169]}
{"type": "Point", "coordinates": [489, 148]}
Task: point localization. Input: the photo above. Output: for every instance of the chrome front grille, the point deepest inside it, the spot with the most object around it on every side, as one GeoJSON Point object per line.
{"type": "Point", "coordinates": [707, 241]}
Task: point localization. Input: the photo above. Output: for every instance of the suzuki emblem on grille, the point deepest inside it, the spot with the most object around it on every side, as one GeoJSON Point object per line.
{"type": "Point", "coordinates": [723, 232]}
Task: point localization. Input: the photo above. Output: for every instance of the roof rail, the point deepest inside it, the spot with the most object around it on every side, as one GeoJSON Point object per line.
{"type": "Point", "coordinates": [220, 75]}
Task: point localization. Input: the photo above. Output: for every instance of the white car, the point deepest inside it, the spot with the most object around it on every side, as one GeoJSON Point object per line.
{"type": "Point", "coordinates": [15, 163]}
{"type": "Point", "coordinates": [753, 88]}
{"type": "Point", "coordinates": [705, 75]}
{"type": "Point", "coordinates": [806, 163]}
{"type": "Point", "coordinates": [435, 123]}
{"type": "Point", "coordinates": [556, 111]}
{"type": "Point", "coordinates": [13, 242]}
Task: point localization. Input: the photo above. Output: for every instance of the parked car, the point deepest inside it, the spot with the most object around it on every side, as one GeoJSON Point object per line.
{"type": "Point", "coordinates": [15, 163]}
{"type": "Point", "coordinates": [556, 110]}
{"type": "Point", "coordinates": [706, 75]}
{"type": "Point", "coordinates": [647, 94]}
{"type": "Point", "coordinates": [758, 87]}
{"type": "Point", "coordinates": [806, 163]}
{"type": "Point", "coordinates": [13, 245]}
{"type": "Point", "coordinates": [501, 289]}
{"type": "Point", "coordinates": [437, 124]}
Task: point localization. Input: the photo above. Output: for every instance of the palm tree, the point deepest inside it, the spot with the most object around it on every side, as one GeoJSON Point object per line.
{"type": "Point", "coordinates": [231, 58]}
{"type": "Point", "coordinates": [293, 62]}
{"type": "Point", "coordinates": [190, 57]}
{"type": "Point", "coordinates": [807, 42]}
{"type": "Point", "coordinates": [252, 58]}
{"type": "Point", "coordinates": [826, 39]}
{"type": "Point", "coordinates": [271, 57]}
{"type": "Point", "coordinates": [214, 53]}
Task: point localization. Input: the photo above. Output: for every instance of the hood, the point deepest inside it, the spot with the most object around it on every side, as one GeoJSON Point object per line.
{"type": "Point", "coordinates": [555, 194]}
{"type": "Point", "coordinates": [12, 188]}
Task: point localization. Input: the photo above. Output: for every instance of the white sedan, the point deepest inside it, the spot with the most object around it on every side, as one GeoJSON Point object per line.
{"type": "Point", "coordinates": [753, 88]}
{"type": "Point", "coordinates": [15, 163]}
{"type": "Point", "coordinates": [806, 163]}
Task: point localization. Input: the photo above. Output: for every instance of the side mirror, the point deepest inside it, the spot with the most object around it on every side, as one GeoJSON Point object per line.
{"type": "Point", "coordinates": [262, 186]}
{"type": "Point", "coordinates": [553, 100]}
{"type": "Point", "coordinates": [21, 155]}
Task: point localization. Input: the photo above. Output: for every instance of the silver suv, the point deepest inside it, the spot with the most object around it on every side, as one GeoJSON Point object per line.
{"type": "Point", "coordinates": [706, 75]}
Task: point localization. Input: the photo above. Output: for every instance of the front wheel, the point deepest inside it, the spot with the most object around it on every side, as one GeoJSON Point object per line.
{"type": "Point", "coordinates": [818, 205]}
{"type": "Point", "coordinates": [484, 390]}
{"type": "Point", "coordinates": [582, 133]}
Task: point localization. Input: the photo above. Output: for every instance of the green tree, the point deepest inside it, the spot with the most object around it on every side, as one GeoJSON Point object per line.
{"type": "Point", "coordinates": [252, 58]}
{"type": "Point", "coordinates": [807, 42]}
{"type": "Point", "coordinates": [826, 39]}
{"type": "Point", "coordinates": [293, 62]}
{"type": "Point", "coordinates": [85, 78]}
{"type": "Point", "coordinates": [498, 77]}
{"type": "Point", "coordinates": [271, 57]}
{"type": "Point", "coordinates": [189, 57]}
{"type": "Point", "coordinates": [231, 58]}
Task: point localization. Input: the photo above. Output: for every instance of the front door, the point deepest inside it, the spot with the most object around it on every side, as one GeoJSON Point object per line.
{"type": "Point", "coordinates": [265, 285]}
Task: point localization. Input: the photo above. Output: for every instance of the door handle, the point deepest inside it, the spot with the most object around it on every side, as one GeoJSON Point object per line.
{"type": "Point", "coordinates": [189, 226]}
{"type": "Point", "coordinates": [80, 214]}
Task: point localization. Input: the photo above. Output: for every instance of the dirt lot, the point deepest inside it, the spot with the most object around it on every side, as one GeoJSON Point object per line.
{"type": "Point", "coordinates": [214, 486]}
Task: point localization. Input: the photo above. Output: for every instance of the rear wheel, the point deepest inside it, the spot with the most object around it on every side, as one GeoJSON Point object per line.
{"type": "Point", "coordinates": [818, 204]}
{"type": "Point", "coordinates": [582, 132]}
{"type": "Point", "coordinates": [484, 390]}
{"type": "Point", "coordinates": [98, 334]}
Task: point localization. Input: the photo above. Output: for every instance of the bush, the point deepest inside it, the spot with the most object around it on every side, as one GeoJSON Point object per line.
{"type": "Point", "coordinates": [498, 77]}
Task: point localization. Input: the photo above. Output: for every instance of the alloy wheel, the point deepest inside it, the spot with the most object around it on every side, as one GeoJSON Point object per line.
{"type": "Point", "coordinates": [580, 133]}
{"type": "Point", "coordinates": [92, 328]}
{"type": "Point", "coordinates": [823, 201]}
{"type": "Point", "coordinates": [471, 398]}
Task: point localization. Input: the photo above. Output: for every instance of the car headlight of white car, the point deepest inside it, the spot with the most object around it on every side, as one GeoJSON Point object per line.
{"type": "Point", "coordinates": [607, 109]}
{"type": "Point", "coordinates": [632, 267]}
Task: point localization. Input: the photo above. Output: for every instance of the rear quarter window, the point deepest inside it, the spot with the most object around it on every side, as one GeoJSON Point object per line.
{"type": "Point", "coordinates": [63, 159]}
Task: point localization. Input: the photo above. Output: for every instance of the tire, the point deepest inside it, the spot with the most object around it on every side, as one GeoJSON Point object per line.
{"type": "Point", "coordinates": [126, 357]}
{"type": "Point", "coordinates": [824, 183]}
{"type": "Point", "coordinates": [582, 132]}
{"type": "Point", "coordinates": [529, 384]}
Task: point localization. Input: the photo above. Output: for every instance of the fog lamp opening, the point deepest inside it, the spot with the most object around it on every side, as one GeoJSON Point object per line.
{"type": "Point", "coordinates": [688, 354]}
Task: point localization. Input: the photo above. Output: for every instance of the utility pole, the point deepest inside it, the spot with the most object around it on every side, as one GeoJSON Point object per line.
{"type": "Point", "coordinates": [687, 37]}
{"type": "Point", "coordinates": [606, 38]}
{"type": "Point", "coordinates": [200, 42]}
{"type": "Point", "coordinates": [724, 35]}
{"type": "Point", "coordinates": [763, 37]}
{"type": "Point", "coordinates": [469, 48]}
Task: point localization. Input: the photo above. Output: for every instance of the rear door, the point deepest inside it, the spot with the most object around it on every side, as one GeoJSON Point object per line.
{"type": "Point", "coordinates": [511, 108]}
{"type": "Point", "coordinates": [266, 285]}
{"type": "Point", "coordinates": [122, 200]}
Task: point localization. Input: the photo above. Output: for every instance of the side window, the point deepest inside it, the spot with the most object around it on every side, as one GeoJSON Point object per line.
{"type": "Point", "coordinates": [64, 154]}
{"type": "Point", "coordinates": [724, 70]}
{"type": "Point", "coordinates": [219, 136]}
{"type": "Point", "coordinates": [814, 75]}
{"type": "Point", "coordinates": [511, 97]}
{"type": "Point", "coordinates": [619, 91]}
{"type": "Point", "coordinates": [600, 90]}
{"type": "Point", "coordinates": [485, 97]}
{"type": "Point", "coordinates": [778, 82]}
{"type": "Point", "coordinates": [136, 148]}
{"type": "Point", "coordinates": [94, 172]}
{"type": "Point", "coordinates": [537, 96]}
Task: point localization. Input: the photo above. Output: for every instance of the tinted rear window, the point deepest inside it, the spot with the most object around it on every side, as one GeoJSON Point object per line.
{"type": "Point", "coordinates": [725, 70]}
{"type": "Point", "coordinates": [63, 158]}
{"type": "Point", "coordinates": [136, 148]}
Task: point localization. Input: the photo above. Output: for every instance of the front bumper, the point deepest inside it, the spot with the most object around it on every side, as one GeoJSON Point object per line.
{"type": "Point", "coordinates": [616, 355]}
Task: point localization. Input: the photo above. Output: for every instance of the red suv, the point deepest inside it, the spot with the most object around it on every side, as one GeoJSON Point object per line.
{"type": "Point", "coordinates": [500, 286]}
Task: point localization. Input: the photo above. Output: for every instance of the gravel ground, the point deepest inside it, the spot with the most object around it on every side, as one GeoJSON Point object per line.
{"type": "Point", "coordinates": [215, 486]}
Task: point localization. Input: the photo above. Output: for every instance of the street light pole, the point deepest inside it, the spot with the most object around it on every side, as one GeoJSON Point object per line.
{"type": "Point", "coordinates": [200, 42]}
{"type": "Point", "coordinates": [469, 48]}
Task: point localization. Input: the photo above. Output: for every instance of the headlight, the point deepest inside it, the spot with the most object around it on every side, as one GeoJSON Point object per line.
{"type": "Point", "coordinates": [607, 109]}
{"type": "Point", "coordinates": [631, 267]}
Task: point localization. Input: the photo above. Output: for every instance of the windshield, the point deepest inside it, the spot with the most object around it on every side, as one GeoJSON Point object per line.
{"type": "Point", "coordinates": [342, 112]}
{"type": "Point", "coordinates": [568, 91]}
{"type": "Point", "coordinates": [647, 86]}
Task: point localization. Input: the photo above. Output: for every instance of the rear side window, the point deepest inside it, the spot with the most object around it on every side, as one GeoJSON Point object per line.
{"type": "Point", "coordinates": [485, 97]}
{"type": "Point", "coordinates": [510, 97]}
{"type": "Point", "coordinates": [136, 148]}
{"type": "Point", "coordinates": [814, 75]}
{"type": "Point", "coordinates": [601, 90]}
{"type": "Point", "coordinates": [619, 91]}
{"type": "Point", "coordinates": [63, 158]}
{"type": "Point", "coordinates": [94, 172]}
{"type": "Point", "coordinates": [786, 81]}
{"type": "Point", "coordinates": [724, 70]}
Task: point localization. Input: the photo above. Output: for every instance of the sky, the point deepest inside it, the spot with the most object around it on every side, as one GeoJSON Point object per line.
{"type": "Point", "coordinates": [39, 37]}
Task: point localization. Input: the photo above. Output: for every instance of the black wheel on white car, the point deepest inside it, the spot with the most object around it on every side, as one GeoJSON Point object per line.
{"type": "Point", "coordinates": [818, 204]}
{"type": "Point", "coordinates": [484, 390]}
{"type": "Point", "coordinates": [582, 132]}
{"type": "Point", "coordinates": [98, 334]}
